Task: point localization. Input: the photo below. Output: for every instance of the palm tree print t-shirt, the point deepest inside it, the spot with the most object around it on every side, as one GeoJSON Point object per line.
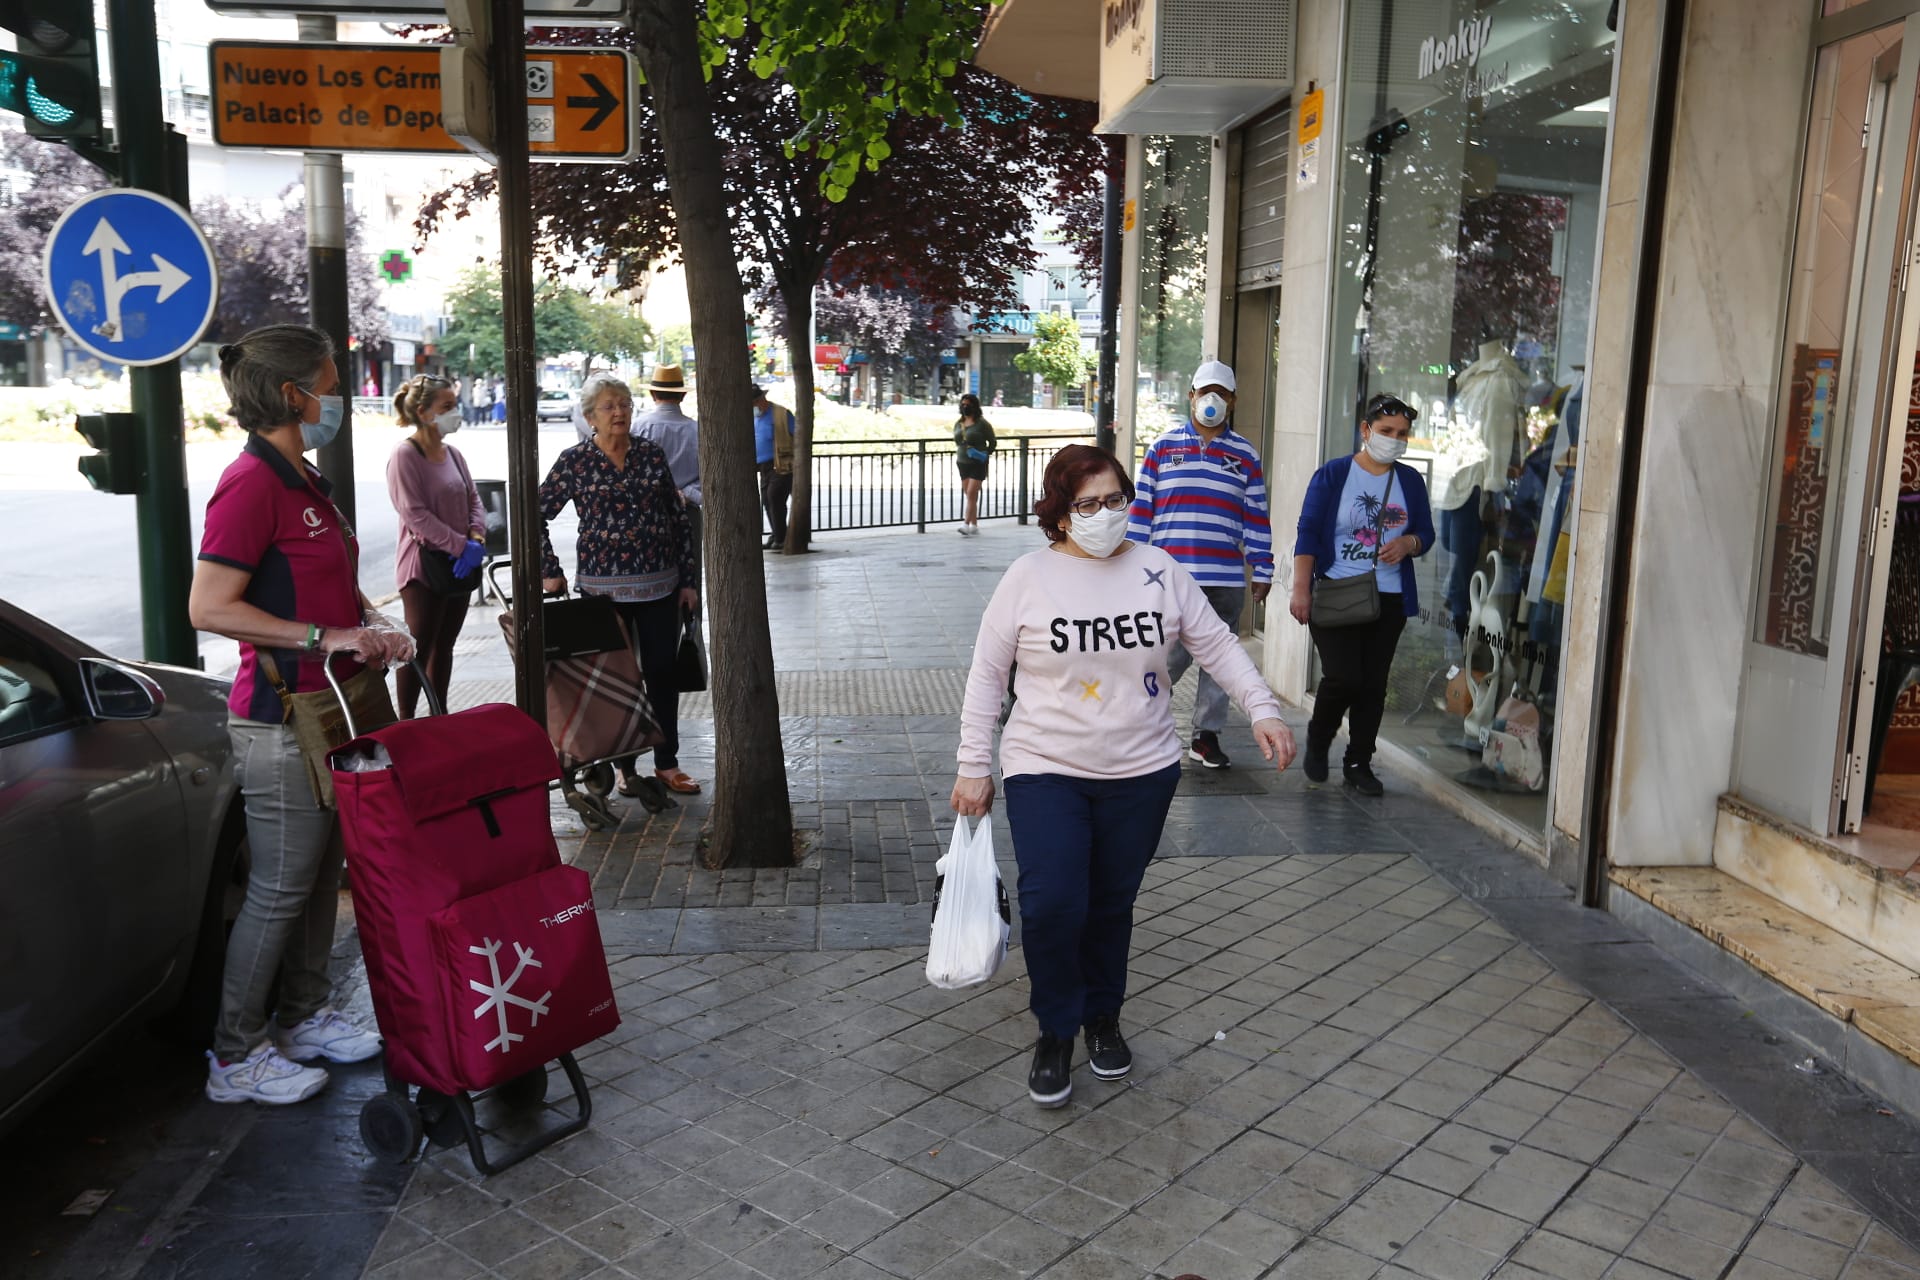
{"type": "Point", "coordinates": [1355, 542]}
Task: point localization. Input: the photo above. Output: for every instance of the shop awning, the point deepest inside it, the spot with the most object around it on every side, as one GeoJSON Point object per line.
{"type": "Point", "coordinates": [1044, 46]}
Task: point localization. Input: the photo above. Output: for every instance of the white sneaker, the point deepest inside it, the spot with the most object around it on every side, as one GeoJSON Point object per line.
{"type": "Point", "coordinates": [327, 1034]}
{"type": "Point", "coordinates": [263, 1076]}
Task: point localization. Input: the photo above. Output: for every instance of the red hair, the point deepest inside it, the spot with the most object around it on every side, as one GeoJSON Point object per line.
{"type": "Point", "coordinates": [1071, 468]}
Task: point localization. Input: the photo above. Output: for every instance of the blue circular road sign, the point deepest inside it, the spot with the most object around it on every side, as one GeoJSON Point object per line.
{"type": "Point", "coordinates": [131, 276]}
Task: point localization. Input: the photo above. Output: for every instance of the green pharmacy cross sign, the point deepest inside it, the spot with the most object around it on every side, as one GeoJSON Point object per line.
{"type": "Point", "coordinates": [396, 264]}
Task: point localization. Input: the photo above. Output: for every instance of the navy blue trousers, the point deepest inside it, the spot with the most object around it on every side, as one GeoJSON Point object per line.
{"type": "Point", "coordinates": [1083, 845]}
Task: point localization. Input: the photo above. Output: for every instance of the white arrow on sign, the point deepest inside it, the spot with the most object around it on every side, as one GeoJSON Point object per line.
{"type": "Point", "coordinates": [165, 277]}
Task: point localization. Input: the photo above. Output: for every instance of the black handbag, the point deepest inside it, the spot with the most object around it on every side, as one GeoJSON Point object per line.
{"type": "Point", "coordinates": [690, 664]}
{"type": "Point", "coordinates": [1355, 601]}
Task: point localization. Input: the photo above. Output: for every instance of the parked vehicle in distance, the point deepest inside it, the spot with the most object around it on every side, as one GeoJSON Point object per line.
{"type": "Point", "coordinates": [555, 404]}
{"type": "Point", "coordinates": [122, 853]}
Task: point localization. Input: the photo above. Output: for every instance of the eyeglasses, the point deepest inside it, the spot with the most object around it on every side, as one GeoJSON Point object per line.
{"type": "Point", "coordinates": [1093, 506]}
{"type": "Point", "coordinates": [1389, 407]}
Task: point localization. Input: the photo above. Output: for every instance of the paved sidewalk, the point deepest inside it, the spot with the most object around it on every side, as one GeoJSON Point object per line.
{"type": "Point", "coordinates": [1367, 1039]}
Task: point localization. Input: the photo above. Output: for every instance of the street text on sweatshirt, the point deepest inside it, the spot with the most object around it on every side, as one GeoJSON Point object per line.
{"type": "Point", "coordinates": [1205, 503]}
{"type": "Point", "coordinates": [1091, 639]}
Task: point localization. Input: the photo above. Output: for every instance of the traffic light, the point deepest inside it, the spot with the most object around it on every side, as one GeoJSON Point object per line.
{"type": "Point", "coordinates": [120, 466]}
{"type": "Point", "coordinates": [53, 80]}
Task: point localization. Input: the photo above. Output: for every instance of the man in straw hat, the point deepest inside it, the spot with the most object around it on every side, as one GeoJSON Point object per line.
{"type": "Point", "coordinates": [678, 436]}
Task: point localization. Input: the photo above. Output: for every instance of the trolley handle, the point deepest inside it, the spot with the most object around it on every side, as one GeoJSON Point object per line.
{"type": "Point", "coordinates": [435, 704]}
{"type": "Point", "coordinates": [493, 580]}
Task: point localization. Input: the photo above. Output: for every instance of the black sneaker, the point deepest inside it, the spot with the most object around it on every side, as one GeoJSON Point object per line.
{"type": "Point", "coordinates": [1314, 763]}
{"type": "Point", "coordinates": [1206, 749]}
{"type": "Point", "coordinates": [1050, 1083]}
{"type": "Point", "coordinates": [1360, 778]}
{"type": "Point", "coordinates": [1107, 1049]}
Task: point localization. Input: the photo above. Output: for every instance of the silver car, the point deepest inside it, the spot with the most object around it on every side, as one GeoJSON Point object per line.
{"type": "Point", "coordinates": [122, 852]}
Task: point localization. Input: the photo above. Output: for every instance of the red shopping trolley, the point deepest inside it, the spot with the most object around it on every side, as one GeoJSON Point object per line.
{"type": "Point", "coordinates": [483, 951]}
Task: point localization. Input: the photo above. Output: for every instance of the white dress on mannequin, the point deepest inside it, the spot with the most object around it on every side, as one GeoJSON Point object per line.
{"type": "Point", "coordinates": [1491, 393]}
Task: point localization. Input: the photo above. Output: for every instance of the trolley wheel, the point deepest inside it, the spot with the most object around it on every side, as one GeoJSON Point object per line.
{"type": "Point", "coordinates": [524, 1092]}
{"type": "Point", "coordinates": [598, 779]}
{"type": "Point", "coordinates": [391, 1127]}
{"type": "Point", "coordinates": [442, 1119]}
{"type": "Point", "coordinates": [593, 811]}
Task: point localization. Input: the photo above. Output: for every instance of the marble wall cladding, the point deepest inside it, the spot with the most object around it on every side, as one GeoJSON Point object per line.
{"type": "Point", "coordinates": [1692, 581]}
{"type": "Point", "coordinates": [1725, 247]}
{"type": "Point", "coordinates": [1303, 338]}
{"type": "Point", "coordinates": [1579, 655]}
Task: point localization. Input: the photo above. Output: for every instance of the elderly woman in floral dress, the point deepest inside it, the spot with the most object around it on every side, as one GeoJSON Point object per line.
{"type": "Point", "coordinates": [635, 546]}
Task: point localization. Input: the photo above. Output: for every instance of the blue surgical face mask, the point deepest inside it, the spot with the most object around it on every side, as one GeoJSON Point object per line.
{"type": "Point", "coordinates": [318, 435]}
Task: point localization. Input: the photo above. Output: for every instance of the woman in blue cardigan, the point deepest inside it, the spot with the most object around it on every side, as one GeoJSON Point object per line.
{"type": "Point", "coordinates": [1363, 514]}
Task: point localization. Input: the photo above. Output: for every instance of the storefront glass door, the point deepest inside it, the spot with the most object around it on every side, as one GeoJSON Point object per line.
{"type": "Point", "coordinates": [1846, 370]}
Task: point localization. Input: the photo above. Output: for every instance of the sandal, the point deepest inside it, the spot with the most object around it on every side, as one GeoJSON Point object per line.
{"type": "Point", "coordinates": [677, 780]}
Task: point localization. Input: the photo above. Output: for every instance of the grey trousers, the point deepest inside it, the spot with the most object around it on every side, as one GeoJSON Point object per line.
{"type": "Point", "coordinates": [1209, 699]}
{"type": "Point", "coordinates": [285, 925]}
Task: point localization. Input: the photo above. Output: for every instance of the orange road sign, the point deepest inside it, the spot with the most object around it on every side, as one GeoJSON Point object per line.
{"type": "Point", "coordinates": [386, 97]}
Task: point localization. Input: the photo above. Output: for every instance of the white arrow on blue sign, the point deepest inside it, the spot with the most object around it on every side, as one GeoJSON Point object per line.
{"type": "Point", "coordinates": [131, 276]}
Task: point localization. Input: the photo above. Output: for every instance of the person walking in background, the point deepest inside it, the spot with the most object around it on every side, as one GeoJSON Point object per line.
{"type": "Point", "coordinates": [1367, 514]}
{"type": "Point", "coordinates": [635, 546]}
{"type": "Point", "coordinates": [1201, 497]}
{"type": "Point", "coordinates": [773, 454]}
{"type": "Point", "coordinates": [678, 436]}
{"type": "Point", "coordinates": [974, 443]}
{"type": "Point", "coordinates": [278, 572]}
{"type": "Point", "coordinates": [1090, 753]}
{"type": "Point", "coordinates": [443, 532]}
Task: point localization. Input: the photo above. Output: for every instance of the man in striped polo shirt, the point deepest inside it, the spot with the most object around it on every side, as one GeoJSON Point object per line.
{"type": "Point", "coordinates": [1202, 498]}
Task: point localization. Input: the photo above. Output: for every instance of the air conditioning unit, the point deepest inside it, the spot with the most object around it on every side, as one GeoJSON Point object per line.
{"type": "Point", "coordinates": [1192, 66]}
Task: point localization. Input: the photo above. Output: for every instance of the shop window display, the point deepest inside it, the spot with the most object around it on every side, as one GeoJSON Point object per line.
{"type": "Point", "coordinates": [1173, 279]}
{"type": "Point", "coordinates": [1470, 167]}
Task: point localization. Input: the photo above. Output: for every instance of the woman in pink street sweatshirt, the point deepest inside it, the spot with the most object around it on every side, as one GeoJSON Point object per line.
{"type": "Point", "coordinates": [1090, 753]}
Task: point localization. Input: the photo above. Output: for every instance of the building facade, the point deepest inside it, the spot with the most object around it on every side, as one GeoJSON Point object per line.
{"type": "Point", "coordinates": [1643, 267]}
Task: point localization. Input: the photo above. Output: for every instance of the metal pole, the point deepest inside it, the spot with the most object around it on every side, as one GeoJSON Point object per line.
{"type": "Point", "coordinates": [508, 56]}
{"type": "Point", "coordinates": [148, 152]}
{"type": "Point", "coordinates": [1021, 513]}
{"type": "Point", "coordinates": [920, 504]}
{"type": "Point", "coordinates": [1103, 434]}
{"type": "Point", "coordinates": [327, 282]}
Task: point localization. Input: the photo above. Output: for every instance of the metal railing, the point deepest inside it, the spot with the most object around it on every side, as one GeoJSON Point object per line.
{"type": "Point", "coordinates": [878, 484]}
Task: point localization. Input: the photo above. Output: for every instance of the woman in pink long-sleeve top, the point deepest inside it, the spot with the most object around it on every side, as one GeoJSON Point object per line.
{"type": "Point", "coordinates": [443, 531]}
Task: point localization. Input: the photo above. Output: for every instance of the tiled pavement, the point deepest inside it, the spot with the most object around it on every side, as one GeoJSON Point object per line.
{"type": "Point", "coordinates": [1344, 1067]}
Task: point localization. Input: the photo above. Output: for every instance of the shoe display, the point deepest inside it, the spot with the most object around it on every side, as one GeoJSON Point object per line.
{"type": "Point", "coordinates": [1050, 1082]}
{"type": "Point", "coordinates": [1360, 778]}
{"type": "Point", "coordinates": [1107, 1050]}
{"type": "Point", "coordinates": [264, 1076]}
{"type": "Point", "coordinates": [327, 1034]}
{"type": "Point", "coordinates": [1206, 749]}
{"type": "Point", "coordinates": [1314, 762]}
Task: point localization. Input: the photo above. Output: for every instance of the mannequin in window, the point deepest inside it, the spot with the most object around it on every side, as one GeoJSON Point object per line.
{"type": "Point", "coordinates": [1491, 392]}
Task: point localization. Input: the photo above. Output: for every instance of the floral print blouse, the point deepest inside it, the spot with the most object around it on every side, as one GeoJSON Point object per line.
{"type": "Point", "coordinates": [635, 540]}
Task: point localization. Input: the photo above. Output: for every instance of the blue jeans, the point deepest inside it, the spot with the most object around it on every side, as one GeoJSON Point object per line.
{"type": "Point", "coordinates": [285, 925]}
{"type": "Point", "coordinates": [1209, 699]}
{"type": "Point", "coordinates": [1461, 533]}
{"type": "Point", "coordinates": [1083, 845]}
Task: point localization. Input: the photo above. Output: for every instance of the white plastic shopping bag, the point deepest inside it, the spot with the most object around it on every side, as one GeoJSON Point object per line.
{"type": "Point", "coordinates": [971, 917]}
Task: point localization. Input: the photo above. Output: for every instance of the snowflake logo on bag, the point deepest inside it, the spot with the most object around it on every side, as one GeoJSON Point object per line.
{"type": "Point", "coordinates": [500, 994]}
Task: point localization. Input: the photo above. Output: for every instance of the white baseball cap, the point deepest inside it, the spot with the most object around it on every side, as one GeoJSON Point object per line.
{"type": "Point", "coordinates": [1213, 374]}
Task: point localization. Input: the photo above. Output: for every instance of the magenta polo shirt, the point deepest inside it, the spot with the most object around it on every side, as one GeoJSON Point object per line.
{"type": "Point", "coordinates": [280, 525]}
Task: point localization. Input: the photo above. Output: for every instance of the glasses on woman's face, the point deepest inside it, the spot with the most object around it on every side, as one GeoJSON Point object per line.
{"type": "Point", "coordinates": [1093, 506]}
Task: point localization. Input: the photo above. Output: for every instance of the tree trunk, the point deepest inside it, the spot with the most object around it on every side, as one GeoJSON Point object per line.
{"type": "Point", "coordinates": [752, 823]}
{"type": "Point", "coordinates": [800, 352]}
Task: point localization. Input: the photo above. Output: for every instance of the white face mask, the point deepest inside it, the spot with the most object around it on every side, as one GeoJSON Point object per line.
{"type": "Point", "coordinates": [1210, 410]}
{"type": "Point", "coordinates": [447, 423]}
{"type": "Point", "coordinates": [1383, 449]}
{"type": "Point", "coordinates": [1100, 534]}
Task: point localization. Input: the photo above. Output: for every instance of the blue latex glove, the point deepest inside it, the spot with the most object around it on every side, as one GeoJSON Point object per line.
{"type": "Point", "coordinates": [469, 559]}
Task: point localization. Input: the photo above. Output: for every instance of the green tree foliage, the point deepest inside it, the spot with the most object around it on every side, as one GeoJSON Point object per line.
{"type": "Point", "coordinates": [565, 320]}
{"type": "Point", "coordinates": [1055, 354]}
